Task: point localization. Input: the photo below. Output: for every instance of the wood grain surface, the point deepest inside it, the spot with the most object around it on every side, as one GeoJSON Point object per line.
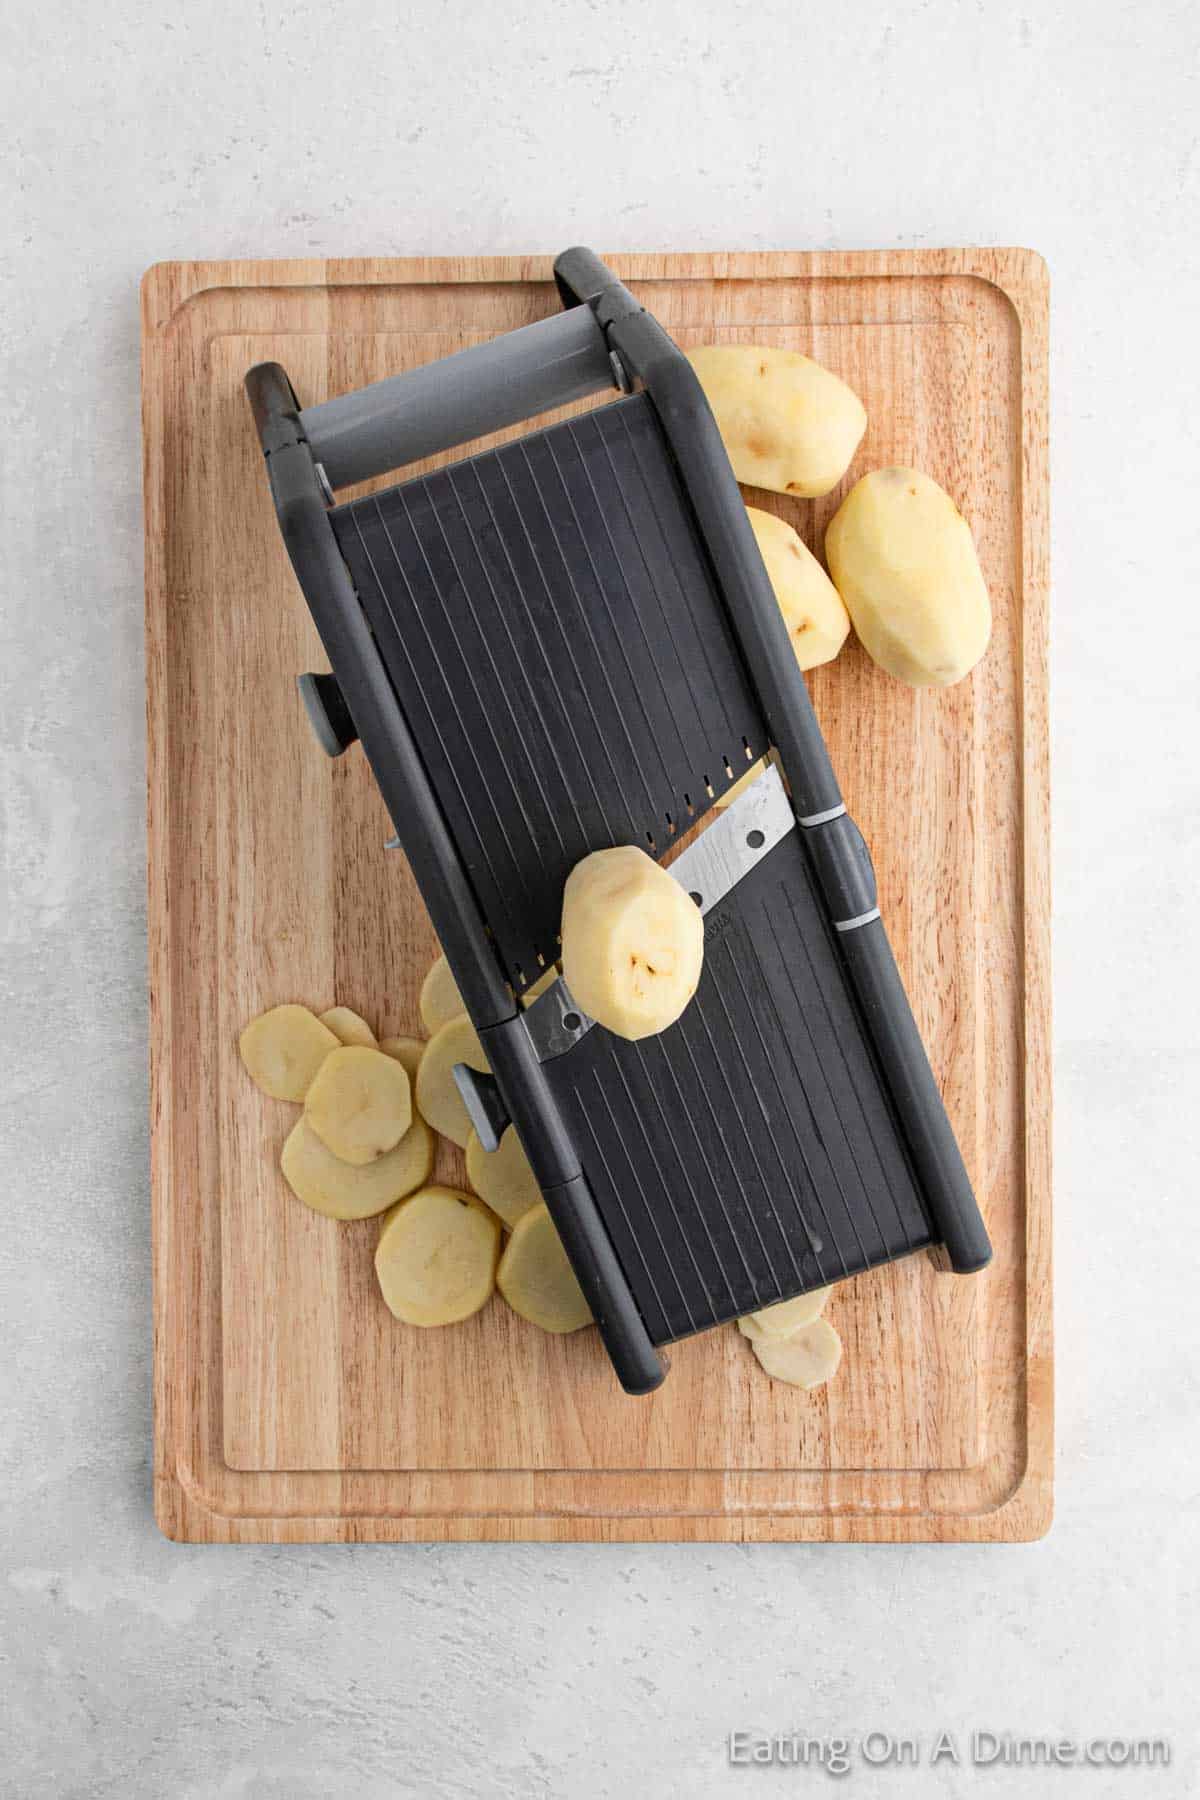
{"type": "Point", "coordinates": [289, 1404]}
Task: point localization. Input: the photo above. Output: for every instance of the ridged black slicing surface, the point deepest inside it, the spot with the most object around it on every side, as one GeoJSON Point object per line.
{"type": "Point", "coordinates": [550, 624]}
{"type": "Point", "coordinates": [724, 1152]}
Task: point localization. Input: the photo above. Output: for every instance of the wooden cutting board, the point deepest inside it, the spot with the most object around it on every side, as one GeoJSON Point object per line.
{"type": "Point", "coordinates": [289, 1404]}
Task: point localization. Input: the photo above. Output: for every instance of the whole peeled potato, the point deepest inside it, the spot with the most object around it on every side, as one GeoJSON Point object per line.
{"type": "Point", "coordinates": [818, 624]}
{"type": "Point", "coordinates": [632, 942]}
{"type": "Point", "coordinates": [786, 423]}
{"type": "Point", "coordinates": [903, 559]}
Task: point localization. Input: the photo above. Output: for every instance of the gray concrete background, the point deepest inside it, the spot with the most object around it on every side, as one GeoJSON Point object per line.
{"type": "Point", "coordinates": [132, 132]}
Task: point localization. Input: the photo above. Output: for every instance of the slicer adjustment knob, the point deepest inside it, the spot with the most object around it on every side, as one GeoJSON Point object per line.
{"type": "Point", "coordinates": [327, 712]}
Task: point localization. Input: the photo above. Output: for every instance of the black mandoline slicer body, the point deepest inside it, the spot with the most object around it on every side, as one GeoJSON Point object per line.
{"type": "Point", "coordinates": [571, 642]}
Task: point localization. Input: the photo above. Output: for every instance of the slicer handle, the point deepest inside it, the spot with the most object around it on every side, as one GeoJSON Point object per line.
{"type": "Point", "coordinates": [441, 404]}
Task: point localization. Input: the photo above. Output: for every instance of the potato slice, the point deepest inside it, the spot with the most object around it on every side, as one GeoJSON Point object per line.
{"type": "Point", "coordinates": [787, 1317]}
{"type": "Point", "coordinates": [359, 1103]}
{"type": "Point", "coordinates": [903, 559]}
{"type": "Point", "coordinates": [440, 999]}
{"type": "Point", "coordinates": [739, 787]}
{"type": "Point", "coordinates": [283, 1049]}
{"type": "Point", "coordinates": [406, 1050]}
{"type": "Point", "coordinates": [340, 1190]}
{"type": "Point", "coordinates": [536, 1278]}
{"type": "Point", "coordinates": [539, 987]}
{"type": "Point", "coordinates": [348, 1027]}
{"type": "Point", "coordinates": [787, 423]}
{"type": "Point", "coordinates": [438, 1098]}
{"type": "Point", "coordinates": [817, 621]}
{"type": "Point", "coordinates": [502, 1177]}
{"type": "Point", "coordinates": [632, 942]}
{"type": "Point", "coordinates": [806, 1359]}
{"type": "Point", "coordinates": [436, 1259]}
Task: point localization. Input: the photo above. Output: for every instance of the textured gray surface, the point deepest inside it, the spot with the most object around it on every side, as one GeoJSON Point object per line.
{"type": "Point", "coordinates": [133, 132]}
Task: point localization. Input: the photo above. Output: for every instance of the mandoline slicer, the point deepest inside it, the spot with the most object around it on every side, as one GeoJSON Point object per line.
{"type": "Point", "coordinates": [569, 642]}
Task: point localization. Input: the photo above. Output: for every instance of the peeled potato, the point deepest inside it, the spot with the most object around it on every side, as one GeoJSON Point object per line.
{"type": "Point", "coordinates": [359, 1103]}
{"type": "Point", "coordinates": [502, 1177]}
{"type": "Point", "coordinates": [817, 622]}
{"type": "Point", "coordinates": [407, 1050]}
{"type": "Point", "coordinates": [340, 1190]}
{"type": "Point", "coordinates": [788, 1317]}
{"type": "Point", "coordinates": [283, 1049]}
{"type": "Point", "coordinates": [348, 1027]}
{"type": "Point", "coordinates": [787, 423]}
{"type": "Point", "coordinates": [436, 1259]}
{"type": "Point", "coordinates": [806, 1359]}
{"type": "Point", "coordinates": [438, 1098]}
{"type": "Point", "coordinates": [536, 1278]}
{"type": "Point", "coordinates": [903, 559]}
{"type": "Point", "coordinates": [632, 942]}
{"type": "Point", "coordinates": [440, 999]}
